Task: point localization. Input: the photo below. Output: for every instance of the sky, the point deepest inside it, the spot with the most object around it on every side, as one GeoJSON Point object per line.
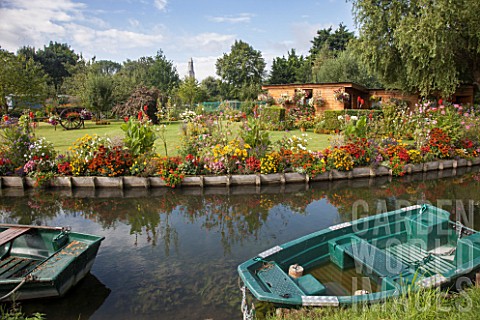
{"type": "Point", "coordinates": [203, 30]}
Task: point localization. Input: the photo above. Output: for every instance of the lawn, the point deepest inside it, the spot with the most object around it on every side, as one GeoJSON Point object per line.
{"type": "Point", "coordinates": [63, 139]}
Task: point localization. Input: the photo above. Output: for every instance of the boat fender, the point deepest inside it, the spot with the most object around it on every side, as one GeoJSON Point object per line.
{"type": "Point", "coordinates": [361, 292]}
{"type": "Point", "coordinates": [295, 271]}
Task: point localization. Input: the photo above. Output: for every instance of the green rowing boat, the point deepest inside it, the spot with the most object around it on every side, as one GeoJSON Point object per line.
{"type": "Point", "coordinates": [41, 262]}
{"type": "Point", "coordinates": [366, 260]}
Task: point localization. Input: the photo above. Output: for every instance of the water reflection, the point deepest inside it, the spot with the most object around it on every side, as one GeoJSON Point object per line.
{"type": "Point", "coordinates": [171, 254]}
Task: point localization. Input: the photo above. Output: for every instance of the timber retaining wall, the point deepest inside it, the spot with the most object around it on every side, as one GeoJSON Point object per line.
{"type": "Point", "coordinates": [130, 182]}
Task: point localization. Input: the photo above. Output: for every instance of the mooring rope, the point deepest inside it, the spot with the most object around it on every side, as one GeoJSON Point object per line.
{"type": "Point", "coordinates": [16, 288]}
{"type": "Point", "coordinates": [247, 314]}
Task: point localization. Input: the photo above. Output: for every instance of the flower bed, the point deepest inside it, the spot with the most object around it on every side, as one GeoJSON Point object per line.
{"type": "Point", "coordinates": [128, 182]}
{"type": "Point", "coordinates": [210, 149]}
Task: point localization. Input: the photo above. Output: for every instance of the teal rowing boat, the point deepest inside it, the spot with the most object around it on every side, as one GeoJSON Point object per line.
{"type": "Point", "coordinates": [41, 262]}
{"type": "Point", "coordinates": [366, 260]}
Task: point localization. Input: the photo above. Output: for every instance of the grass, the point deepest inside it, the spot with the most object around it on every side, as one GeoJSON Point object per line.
{"type": "Point", "coordinates": [425, 304]}
{"type": "Point", "coordinates": [63, 139]}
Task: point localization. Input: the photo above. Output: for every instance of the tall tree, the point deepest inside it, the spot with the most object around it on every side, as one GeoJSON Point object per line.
{"type": "Point", "coordinates": [241, 69]}
{"type": "Point", "coordinates": [155, 72]}
{"type": "Point", "coordinates": [99, 94]}
{"type": "Point", "coordinates": [57, 60]}
{"type": "Point", "coordinates": [190, 91]}
{"type": "Point", "coordinates": [335, 41]}
{"type": "Point", "coordinates": [346, 67]}
{"type": "Point", "coordinates": [106, 67]}
{"type": "Point", "coordinates": [21, 79]}
{"type": "Point", "coordinates": [293, 69]}
{"type": "Point", "coordinates": [422, 45]}
{"type": "Point", "coordinates": [211, 87]}
{"type": "Point", "coordinates": [162, 74]}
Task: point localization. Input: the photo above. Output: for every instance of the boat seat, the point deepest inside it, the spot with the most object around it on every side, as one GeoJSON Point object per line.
{"type": "Point", "coordinates": [373, 260]}
{"type": "Point", "coordinates": [280, 283]}
{"type": "Point", "coordinates": [11, 234]}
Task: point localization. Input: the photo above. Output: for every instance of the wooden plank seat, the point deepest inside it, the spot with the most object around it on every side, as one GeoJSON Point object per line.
{"type": "Point", "coordinates": [11, 234]}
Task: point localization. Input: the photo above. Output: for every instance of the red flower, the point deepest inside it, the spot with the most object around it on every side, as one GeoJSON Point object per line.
{"type": "Point", "coordinates": [126, 119]}
{"type": "Point", "coordinates": [359, 99]}
{"type": "Point", "coordinates": [31, 115]}
{"type": "Point", "coordinates": [145, 108]}
{"type": "Point", "coordinates": [140, 115]}
{"type": "Point", "coordinates": [5, 118]}
{"type": "Point", "coordinates": [362, 101]}
{"type": "Point", "coordinates": [440, 102]}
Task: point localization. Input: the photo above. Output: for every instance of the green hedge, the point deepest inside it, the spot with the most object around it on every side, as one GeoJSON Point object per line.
{"type": "Point", "coordinates": [273, 114]}
{"type": "Point", "coordinates": [331, 121]}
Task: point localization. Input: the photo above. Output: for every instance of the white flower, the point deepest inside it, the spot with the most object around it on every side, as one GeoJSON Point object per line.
{"type": "Point", "coordinates": [340, 118]}
{"type": "Point", "coordinates": [354, 118]}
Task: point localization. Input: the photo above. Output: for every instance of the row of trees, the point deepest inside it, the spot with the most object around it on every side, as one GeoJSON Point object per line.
{"type": "Point", "coordinates": [421, 46]}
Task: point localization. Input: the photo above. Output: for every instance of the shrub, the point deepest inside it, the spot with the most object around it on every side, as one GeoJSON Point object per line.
{"type": "Point", "coordinates": [139, 135]}
{"type": "Point", "coordinates": [273, 114]}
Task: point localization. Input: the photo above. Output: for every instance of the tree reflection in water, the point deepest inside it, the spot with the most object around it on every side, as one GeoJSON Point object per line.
{"type": "Point", "coordinates": [175, 252]}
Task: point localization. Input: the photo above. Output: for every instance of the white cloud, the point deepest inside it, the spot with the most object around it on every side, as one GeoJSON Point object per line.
{"type": "Point", "coordinates": [160, 4]}
{"type": "Point", "coordinates": [35, 23]}
{"type": "Point", "coordinates": [303, 34]}
{"type": "Point", "coordinates": [208, 42]}
{"type": "Point", "coordinates": [240, 18]}
{"type": "Point", "coordinates": [133, 22]}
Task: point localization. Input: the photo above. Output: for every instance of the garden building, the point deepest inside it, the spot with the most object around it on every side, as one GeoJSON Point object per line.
{"type": "Point", "coordinates": [349, 95]}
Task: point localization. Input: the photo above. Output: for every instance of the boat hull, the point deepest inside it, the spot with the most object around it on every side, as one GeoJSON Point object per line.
{"type": "Point", "coordinates": [397, 251]}
{"type": "Point", "coordinates": [50, 276]}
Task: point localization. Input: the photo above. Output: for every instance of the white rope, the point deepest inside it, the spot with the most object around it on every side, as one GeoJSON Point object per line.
{"type": "Point", "coordinates": [15, 289]}
{"type": "Point", "coordinates": [247, 314]}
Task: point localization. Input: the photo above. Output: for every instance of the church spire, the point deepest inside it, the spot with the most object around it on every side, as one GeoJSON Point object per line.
{"type": "Point", "coordinates": [191, 72]}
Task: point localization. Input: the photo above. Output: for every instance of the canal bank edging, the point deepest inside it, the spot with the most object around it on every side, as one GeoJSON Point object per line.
{"type": "Point", "coordinates": [127, 182]}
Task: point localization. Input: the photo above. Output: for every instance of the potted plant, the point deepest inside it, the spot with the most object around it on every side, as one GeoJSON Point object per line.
{"type": "Point", "coordinates": [341, 96]}
{"type": "Point", "coordinates": [304, 122]}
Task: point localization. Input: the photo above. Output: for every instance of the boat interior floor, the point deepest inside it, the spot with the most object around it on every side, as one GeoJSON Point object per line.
{"type": "Point", "coordinates": [16, 267]}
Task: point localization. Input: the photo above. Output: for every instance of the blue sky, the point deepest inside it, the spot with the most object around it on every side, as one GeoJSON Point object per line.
{"type": "Point", "coordinates": [200, 29]}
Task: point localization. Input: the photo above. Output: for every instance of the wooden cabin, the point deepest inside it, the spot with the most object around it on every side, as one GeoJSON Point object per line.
{"type": "Point", "coordinates": [285, 94]}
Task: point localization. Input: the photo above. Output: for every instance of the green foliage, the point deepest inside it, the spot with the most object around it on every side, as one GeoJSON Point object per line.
{"type": "Point", "coordinates": [290, 70]}
{"type": "Point", "coordinates": [421, 46]}
{"type": "Point", "coordinates": [253, 134]}
{"type": "Point", "coordinates": [345, 67]}
{"type": "Point", "coordinates": [333, 119]}
{"type": "Point", "coordinates": [357, 129]}
{"type": "Point", "coordinates": [15, 144]}
{"type": "Point", "coordinates": [155, 72]}
{"type": "Point", "coordinates": [139, 137]}
{"type": "Point", "coordinates": [21, 78]}
{"type": "Point", "coordinates": [16, 314]}
{"type": "Point", "coordinates": [273, 114]}
{"type": "Point", "coordinates": [57, 59]}
{"type": "Point", "coordinates": [335, 41]}
{"type": "Point", "coordinates": [106, 67]}
{"type": "Point", "coordinates": [190, 91]}
{"type": "Point", "coordinates": [241, 71]}
{"type": "Point", "coordinates": [99, 92]}
{"type": "Point", "coordinates": [211, 87]}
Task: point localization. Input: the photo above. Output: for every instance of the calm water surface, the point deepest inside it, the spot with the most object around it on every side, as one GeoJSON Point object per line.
{"type": "Point", "coordinates": [172, 254]}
